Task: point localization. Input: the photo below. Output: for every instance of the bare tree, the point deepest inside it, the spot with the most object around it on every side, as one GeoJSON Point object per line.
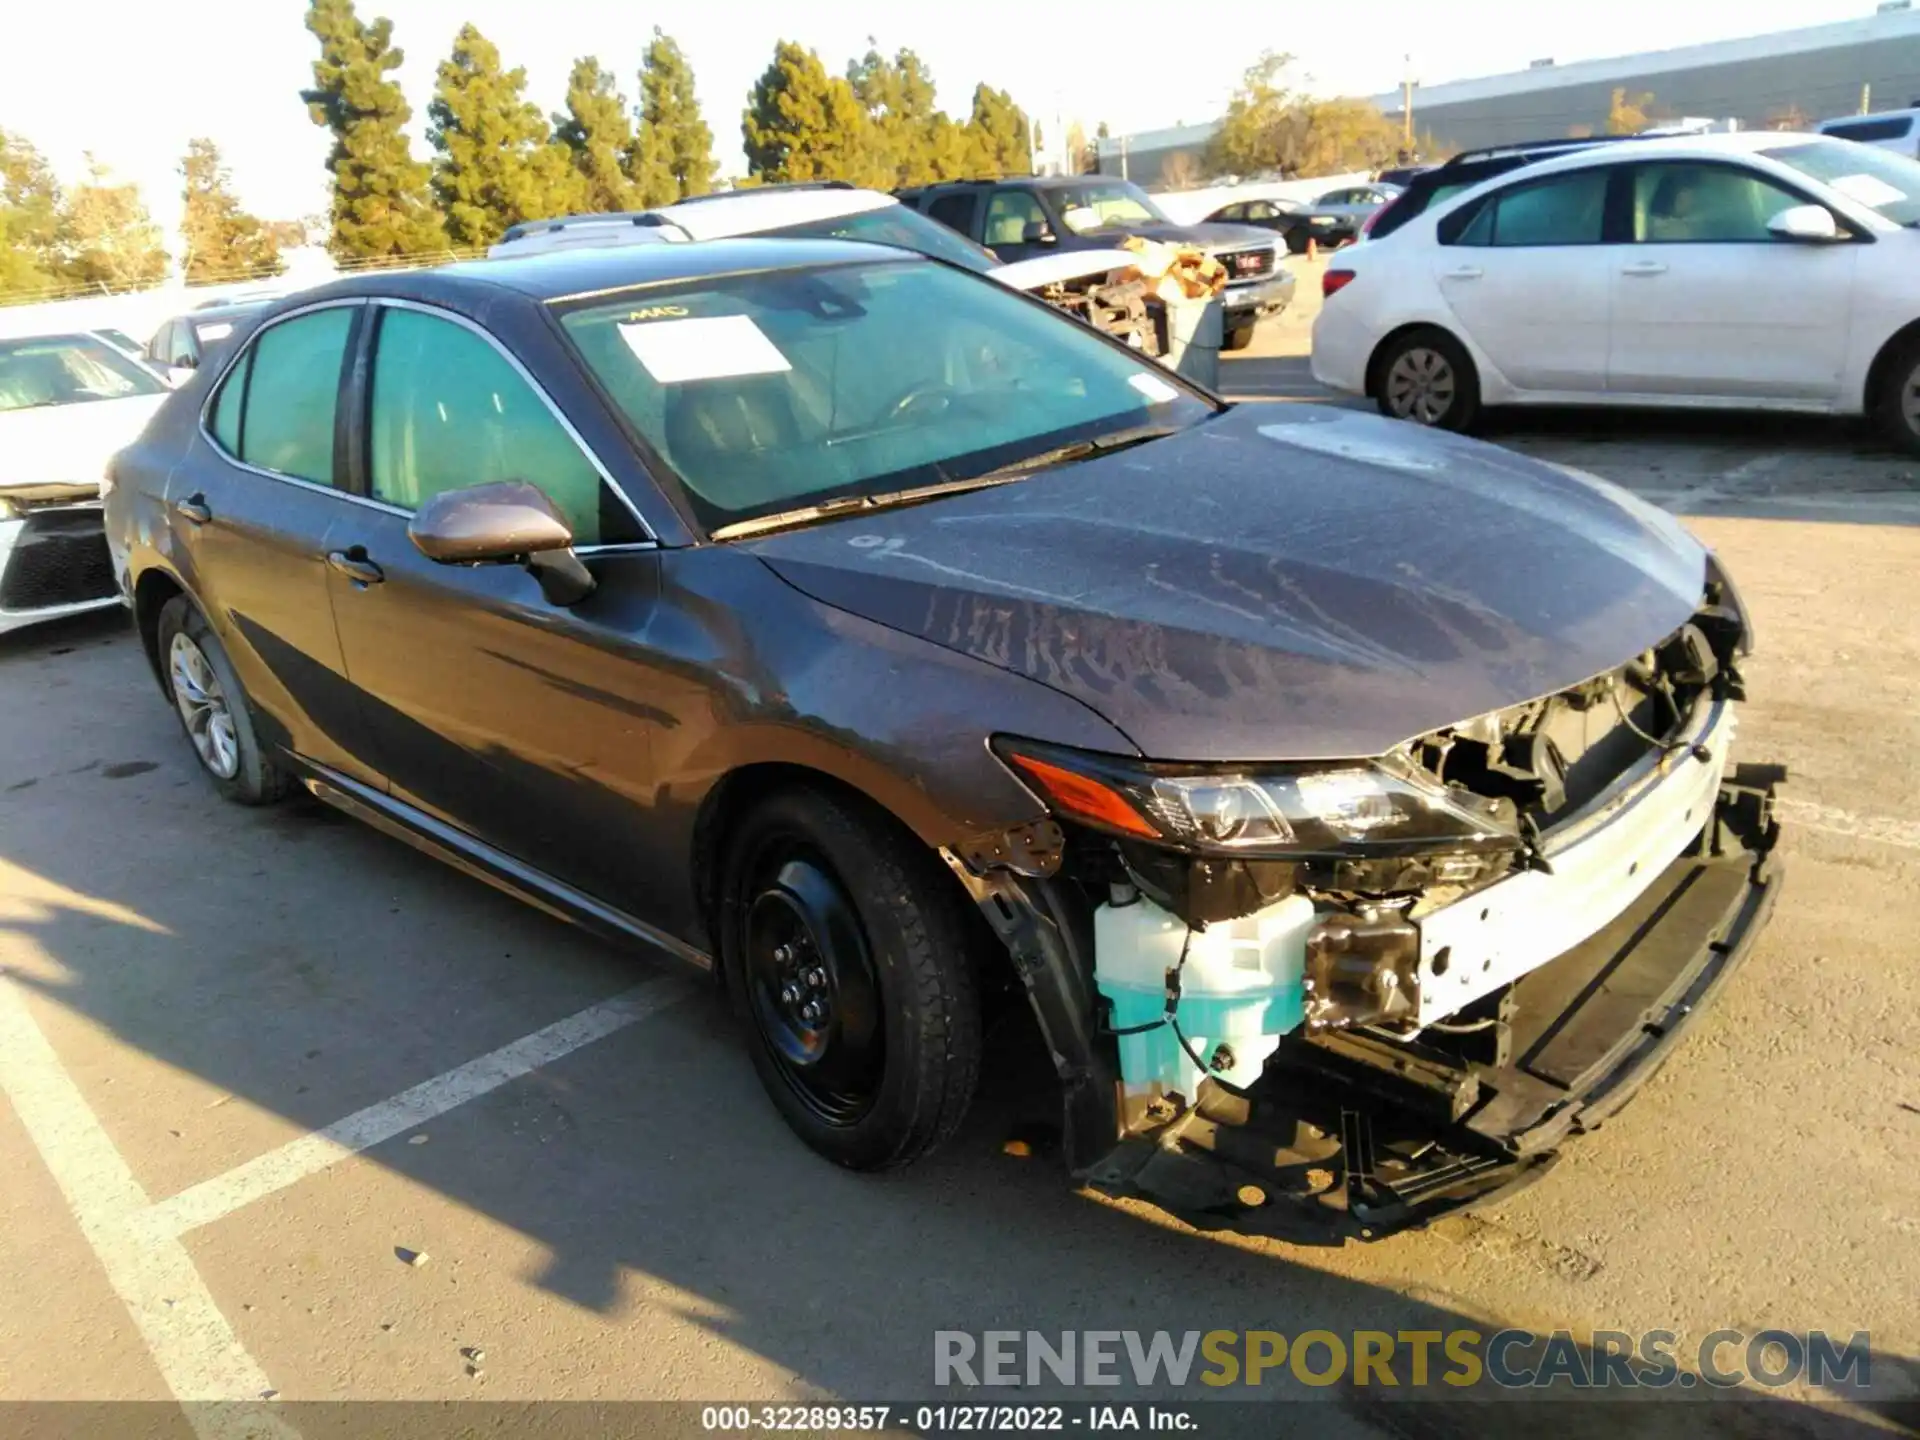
{"type": "Point", "coordinates": [1180, 171]}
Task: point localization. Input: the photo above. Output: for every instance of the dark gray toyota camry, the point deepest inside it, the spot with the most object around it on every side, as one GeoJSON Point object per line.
{"type": "Point", "coordinates": [1351, 804]}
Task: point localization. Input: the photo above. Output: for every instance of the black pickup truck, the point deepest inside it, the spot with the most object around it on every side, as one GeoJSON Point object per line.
{"type": "Point", "coordinates": [1020, 217]}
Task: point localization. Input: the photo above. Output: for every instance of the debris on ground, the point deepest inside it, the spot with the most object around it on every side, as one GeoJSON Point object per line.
{"type": "Point", "coordinates": [415, 1258]}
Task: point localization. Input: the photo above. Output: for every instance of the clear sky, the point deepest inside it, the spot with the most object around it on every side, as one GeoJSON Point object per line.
{"type": "Point", "coordinates": [133, 80]}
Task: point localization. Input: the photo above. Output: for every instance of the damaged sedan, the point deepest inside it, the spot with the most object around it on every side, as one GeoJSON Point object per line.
{"type": "Point", "coordinates": [1353, 805]}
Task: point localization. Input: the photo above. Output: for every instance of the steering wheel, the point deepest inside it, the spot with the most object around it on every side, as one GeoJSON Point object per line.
{"type": "Point", "coordinates": [919, 395]}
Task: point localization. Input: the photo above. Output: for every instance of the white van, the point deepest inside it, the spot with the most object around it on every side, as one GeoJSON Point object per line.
{"type": "Point", "coordinates": [1889, 129]}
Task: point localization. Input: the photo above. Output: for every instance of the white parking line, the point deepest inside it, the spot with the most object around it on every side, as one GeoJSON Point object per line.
{"type": "Point", "coordinates": [310, 1154]}
{"type": "Point", "coordinates": [198, 1355]}
{"type": "Point", "coordinates": [138, 1241]}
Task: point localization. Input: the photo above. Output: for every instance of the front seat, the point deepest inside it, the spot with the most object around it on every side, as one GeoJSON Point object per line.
{"type": "Point", "coordinates": [719, 434]}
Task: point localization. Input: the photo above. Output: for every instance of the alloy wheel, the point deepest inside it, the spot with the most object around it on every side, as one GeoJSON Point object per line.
{"type": "Point", "coordinates": [1421, 386]}
{"type": "Point", "coordinates": [1910, 400]}
{"type": "Point", "coordinates": [812, 987]}
{"type": "Point", "coordinates": [204, 707]}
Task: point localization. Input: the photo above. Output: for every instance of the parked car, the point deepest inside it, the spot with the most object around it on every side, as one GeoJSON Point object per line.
{"type": "Point", "coordinates": [67, 402]}
{"type": "Point", "coordinates": [1020, 217]}
{"type": "Point", "coordinates": [1752, 270]}
{"type": "Point", "coordinates": [1356, 204]}
{"type": "Point", "coordinates": [1896, 130]}
{"type": "Point", "coordinates": [834, 210]}
{"type": "Point", "coordinates": [181, 344]}
{"type": "Point", "coordinates": [1401, 176]}
{"type": "Point", "coordinates": [898, 649]}
{"type": "Point", "coordinates": [1293, 222]}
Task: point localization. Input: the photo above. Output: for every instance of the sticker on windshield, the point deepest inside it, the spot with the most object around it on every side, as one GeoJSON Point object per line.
{"type": "Point", "coordinates": [210, 333]}
{"type": "Point", "coordinates": [1868, 190]}
{"type": "Point", "coordinates": [1157, 391]}
{"type": "Point", "coordinates": [715, 348]}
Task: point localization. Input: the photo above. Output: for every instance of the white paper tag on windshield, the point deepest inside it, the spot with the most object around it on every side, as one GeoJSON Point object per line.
{"type": "Point", "coordinates": [210, 333]}
{"type": "Point", "coordinates": [1868, 190]}
{"type": "Point", "coordinates": [707, 349]}
{"type": "Point", "coordinates": [1157, 391]}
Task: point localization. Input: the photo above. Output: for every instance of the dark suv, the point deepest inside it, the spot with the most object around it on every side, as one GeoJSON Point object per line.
{"type": "Point", "coordinates": [1019, 217]}
{"type": "Point", "coordinates": [846, 623]}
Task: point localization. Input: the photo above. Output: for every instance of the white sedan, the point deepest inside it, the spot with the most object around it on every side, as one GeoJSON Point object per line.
{"type": "Point", "coordinates": [1753, 271]}
{"type": "Point", "coordinates": [67, 403]}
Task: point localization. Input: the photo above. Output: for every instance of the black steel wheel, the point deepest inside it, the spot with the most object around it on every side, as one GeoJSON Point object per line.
{"type": "Point", "coordinates": [811, 985]}
{"type": "Point", "coordinates": [848, 953]}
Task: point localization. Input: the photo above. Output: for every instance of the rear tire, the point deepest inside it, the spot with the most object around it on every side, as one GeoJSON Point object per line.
{"type": "Point", "coordinates": [1426, 376]}
{"type": "Point", "coordinates": [846, 951]}
{"type": "Point", "coordinates": [213, 708]}
{"type": "Point", "coordinates": [1238, 339]}
{"type": "Point", "coordinates": [1896, 408]}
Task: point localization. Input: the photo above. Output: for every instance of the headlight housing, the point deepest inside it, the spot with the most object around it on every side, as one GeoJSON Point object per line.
{"type": "Point", "coordinates": [1327, 810]}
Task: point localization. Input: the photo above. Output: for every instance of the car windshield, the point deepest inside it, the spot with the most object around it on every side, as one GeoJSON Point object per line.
{"type": "Point", "coordinates": [901, 227]}
{"type": "Point", "coordinates": [68, 370]}
{"type": "Point", "coordinates": [1098, 204]}
{"type": "Point", "coordinates": [777, 390]}
{"type": "Point", "coordinates": [1879, 179]}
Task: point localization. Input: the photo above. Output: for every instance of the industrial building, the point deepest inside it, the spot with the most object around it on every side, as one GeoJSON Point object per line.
{"type": "Point", "coordinates": [1791, 77]}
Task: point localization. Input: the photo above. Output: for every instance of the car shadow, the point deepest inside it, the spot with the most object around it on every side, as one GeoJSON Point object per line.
{"type": "Point", "coordinates": [307, 966]}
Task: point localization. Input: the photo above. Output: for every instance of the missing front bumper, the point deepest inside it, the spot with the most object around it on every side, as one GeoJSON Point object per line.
{"type": "Point", "coordinates": [1352, 1136]}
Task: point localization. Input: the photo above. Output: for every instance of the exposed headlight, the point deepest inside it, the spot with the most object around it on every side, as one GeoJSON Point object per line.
{"type": "Point", "coordinates": [8, 510]}
{"type": "Point", "coordinates": [1345, 808]}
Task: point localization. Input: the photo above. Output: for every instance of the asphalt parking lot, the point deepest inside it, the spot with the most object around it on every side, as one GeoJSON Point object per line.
{"type": "Point", "coordinates": [296, 1113]}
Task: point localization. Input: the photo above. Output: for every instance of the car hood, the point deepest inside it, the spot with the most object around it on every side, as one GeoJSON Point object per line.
{"type": "Point", "coordinates": [1277, 583]}
{"type": "Point", "coordinates": [1209, 235]}
{"type": "Point", "coordinates": [69, 444]}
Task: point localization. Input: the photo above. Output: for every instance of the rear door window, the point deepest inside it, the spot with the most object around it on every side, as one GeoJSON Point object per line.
{"type": "Point", "coordinates": [1569, 209]}
{"type": "Point", "coordinates": [955, 211]}
{"type": "Point", "coordinates": [291, 388]}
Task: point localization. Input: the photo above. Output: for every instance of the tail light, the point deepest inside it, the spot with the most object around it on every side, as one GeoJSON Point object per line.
{"type": "Point", "coordinates": [1332, 282]}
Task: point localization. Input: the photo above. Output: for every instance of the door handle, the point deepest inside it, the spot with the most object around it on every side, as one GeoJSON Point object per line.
{"type": "Point", "coordinates": [193, 509]}
{"type": "Point", "coordinates": [355, 566]}
{"type": "Point", "coordinates": [1644, 267]}
{"type": "Point", "coordinates": [1464, 272]}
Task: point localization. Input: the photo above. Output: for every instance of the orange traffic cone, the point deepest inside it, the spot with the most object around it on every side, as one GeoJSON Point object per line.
{"type": "Point", "coordinates": [1313, 250]}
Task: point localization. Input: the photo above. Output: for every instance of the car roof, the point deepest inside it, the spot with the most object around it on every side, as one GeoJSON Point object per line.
{"type": "Point", "coordinates": [744, 212]}
{"type": "Point", "coordinates": [563, 274]}
{"type": "Point", "coordinates": [1675, 147]}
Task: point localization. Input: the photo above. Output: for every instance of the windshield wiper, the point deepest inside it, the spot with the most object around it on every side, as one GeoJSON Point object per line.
{"type": "Point", "coordinates": [1079, 450]}
{"type": "Point", "coordinates": [846, 504]}
{"type": "Point", "coordinates": [893, 499]}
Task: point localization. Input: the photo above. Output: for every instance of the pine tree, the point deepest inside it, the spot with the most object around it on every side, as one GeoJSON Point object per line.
{"type": "Point", "coordinates": [221, 238]}
{"type": "Point", "coordinates": [598, 133]}
{"type": "Point", "coordinates": [898, 95]}
{"type": "Point", "coordinates": [381, 204]}
{"type": "Point", "coordinates": [109, 238]}
{"type": "Point", "coordinates": [30, 206]}
{"type": "Point", "coordinates": [497, 163]}
{"type": "Point", "coordinates": [672, 157]}
{"type": "Point", "coordinates": [804, 124]}
{"type": "Point", "coordinates": [1002, 127]}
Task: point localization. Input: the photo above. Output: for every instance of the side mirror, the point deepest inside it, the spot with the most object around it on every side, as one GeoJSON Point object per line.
{"type": "Point", "coordinates": [1805, 222]}
{"type": "Point", "coordinates": [508, 522]}
{"type": "Point", "coordinates": [1038, 232]}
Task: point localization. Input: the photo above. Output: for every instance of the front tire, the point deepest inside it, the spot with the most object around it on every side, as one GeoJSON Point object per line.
{"type": "Point", "coordinates": [847, 953]}
{"type": "Point", "coordinates": [1427, 377]}
{"type": "Point", "coordinates": [1238, 338]}
{"type": "Point", "coordinates": [1897, 405]}
{"type": "Point", "coordinates": [213, 710]}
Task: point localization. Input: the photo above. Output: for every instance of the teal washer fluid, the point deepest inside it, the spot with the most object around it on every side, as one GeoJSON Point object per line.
{"type": "Point", "coordinates": [1241, 985]}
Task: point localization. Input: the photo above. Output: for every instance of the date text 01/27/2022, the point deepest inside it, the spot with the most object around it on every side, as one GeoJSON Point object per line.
{"type": "Point", "coordinates": [945, 1419]}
